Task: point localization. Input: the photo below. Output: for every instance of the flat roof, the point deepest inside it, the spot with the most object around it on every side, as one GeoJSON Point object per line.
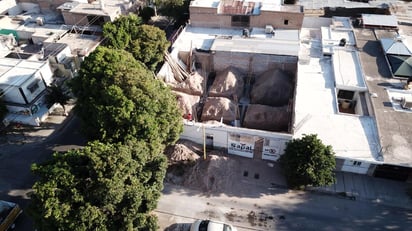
{"type": "Point", "coordinates": [380, 20]}
{"type": "Point", "coordinates": [283, 42]}
{"type": "Point", "coordinates": [14, 72]}
{"type": "Point", "coordinates": [351, 136]}
{"type": "Point", "coordinates": [347, 70]}
{"type": "Point", "coordinates": [394, 126]}
{"type": "Point", "coordinates": [261, 5]}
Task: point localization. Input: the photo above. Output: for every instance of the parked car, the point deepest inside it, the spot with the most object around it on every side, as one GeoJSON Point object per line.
{"type": "Point", "coordinates": [208, 225]}
{"type": "Point", "coordinates": [9, 212]}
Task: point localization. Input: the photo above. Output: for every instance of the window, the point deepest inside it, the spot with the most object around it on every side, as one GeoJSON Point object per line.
{"type": "Point", "coordinates": [357, 163]}
{"type": "Point", "coordinates": [343, 94]}
{"type": "Point", "coordinates": [34, 86]}
{"type": "Point", "coordinates": [286, 22]}
{"type": "Point", "coordinates": [241, 20]}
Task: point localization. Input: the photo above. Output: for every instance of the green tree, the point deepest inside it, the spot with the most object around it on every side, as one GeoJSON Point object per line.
{"type": "Point", "coordinates": [308, 162]}
{"type": "Point", "coordinates": [146, 43]}
{"type": "Point", "coordinates": [178, 10]}
{"type": "Point", "coordinates": [119, 99]}
{"type": "Point", "coordinates": [100, 187]}
{"type": "Point", "coordinates": [149, 46]}
{"type": "Point", "coordinates": [56, 94]}
{"type": "Point", "coordinates": [119, 33]}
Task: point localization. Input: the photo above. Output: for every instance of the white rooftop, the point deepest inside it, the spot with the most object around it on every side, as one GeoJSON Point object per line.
{"type": "Point", "coordinates": [380, 20]}
{"type": "Point", "coordinates": [14, 72]}
{"type": "Point", "coordinates": [283, 42]}
{"type": "Point", "coordinates": [347, 70]}
{"type": "Point", "coordinates": [351, 136]}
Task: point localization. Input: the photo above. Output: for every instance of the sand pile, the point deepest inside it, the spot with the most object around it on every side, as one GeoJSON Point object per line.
{"type": "Point", "coordinates": [188, 168]}
{"type": "Point", "coordinates": [273, 88]}
{"type": "Point", "coordinates": [267, 118]}
{"type": "Point", "coordinates": [228, 83]}
{"type": "Point", "coordinates": [181, 153]}
{"type": "Point", "coordinates": [187, 103]}
{"type": "Point", "coordinates": [217, 107]}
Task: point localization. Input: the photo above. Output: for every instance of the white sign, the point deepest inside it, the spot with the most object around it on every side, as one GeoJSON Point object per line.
{"type": "Point", "coordinates": [273, 149]}
{"type": "Point", "coordinates": [241, 145]}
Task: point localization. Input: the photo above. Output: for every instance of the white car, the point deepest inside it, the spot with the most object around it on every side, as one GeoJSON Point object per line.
{"type": "Point", "coordinates": [207, 225]}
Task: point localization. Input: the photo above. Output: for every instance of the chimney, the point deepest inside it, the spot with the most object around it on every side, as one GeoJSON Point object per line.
{"type": "Point", "coordinates": [101, 4]}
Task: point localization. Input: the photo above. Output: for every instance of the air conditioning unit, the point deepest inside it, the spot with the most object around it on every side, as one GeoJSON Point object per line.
{"type": "Point", "coordinates": [269, 29]}
{"type": "Point", "coordinates": [407, 102]}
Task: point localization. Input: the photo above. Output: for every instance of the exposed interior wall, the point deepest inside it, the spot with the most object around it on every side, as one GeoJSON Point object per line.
{"type": "Point", "coordinates": [258, 63]}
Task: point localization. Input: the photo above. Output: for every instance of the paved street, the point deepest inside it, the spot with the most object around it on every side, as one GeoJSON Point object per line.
{"type": "Point", "coordinates": [278, 209]}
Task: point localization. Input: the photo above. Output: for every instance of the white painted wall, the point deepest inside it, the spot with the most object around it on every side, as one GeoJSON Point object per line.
{"type": "Point", "coordinates": [355, 167]}
{"type": "Point", "coordinates": [12, 94]}
{"type": "Point", "coordinates": [194, 132]}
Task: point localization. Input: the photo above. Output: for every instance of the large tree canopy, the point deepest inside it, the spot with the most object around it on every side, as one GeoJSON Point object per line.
{"type": "Point", "coordinates": [119, 33]}
{"type": "Point", "coordinates": [100, 187]}
{"type": "Point", "coordinates": [119, 99]}
{"type": "Point", "coordinates": [308, 162]}
{"type": "Point", "coordinates": [146, 43]}
{"type": "Point", "coordinates": [149, 45]}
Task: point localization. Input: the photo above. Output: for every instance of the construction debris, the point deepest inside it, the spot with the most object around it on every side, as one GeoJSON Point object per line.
{"type": "Point", "coordinates": [273, 88]}
{"type": "Point", "coordinates": [267, 118]}
{"type": "Point", "coordinates": [219, 108]}
{"type": "Point", "coordinates": [228, 83]}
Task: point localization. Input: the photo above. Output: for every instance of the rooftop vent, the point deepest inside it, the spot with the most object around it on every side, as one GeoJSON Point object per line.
{"type": "Point", "coordinates": [407, 102]}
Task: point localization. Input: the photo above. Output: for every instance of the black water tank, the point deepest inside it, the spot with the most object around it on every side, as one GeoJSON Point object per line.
{"type": "Point", "coordinates": [342, 42]}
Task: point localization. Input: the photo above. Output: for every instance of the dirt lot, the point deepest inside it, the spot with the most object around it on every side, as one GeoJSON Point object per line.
{"type": "Point", "coordinates": [188, 168]}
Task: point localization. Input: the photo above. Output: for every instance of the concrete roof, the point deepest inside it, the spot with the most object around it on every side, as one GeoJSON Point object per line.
{"type": "Point", "coordinates": [379, 20]}
{"type": "Point", "coordinates": [318, 4]}
{"type": "Point", "coordinates": [394, 126]}
{"type": "Point", "coordinates": [14, 72]}
{"type": "Point", "coordinates": [351, 136]}
{"type": "Point", "coordinates": [347, 70]}
{"type": "Point", "coordinates": [283, 42]}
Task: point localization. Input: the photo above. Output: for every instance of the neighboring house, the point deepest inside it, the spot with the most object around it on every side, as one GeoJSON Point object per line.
{"type": "Point", "coordinates": [35, 53]}
{"type": "Point", "coordinates": [23, 83]}
{"type": "Point", "coordinates": [245, 14]}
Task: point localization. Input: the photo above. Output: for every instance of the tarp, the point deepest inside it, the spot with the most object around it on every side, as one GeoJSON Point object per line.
{"type": "Point", "coordinates": [7, 32]}
{"type": "Point", "coordinates": [401, 65]}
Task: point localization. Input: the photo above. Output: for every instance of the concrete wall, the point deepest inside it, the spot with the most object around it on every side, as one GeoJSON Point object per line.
{"type": "Point", "coordinates": [12, 94]}
{"type": "Point", "coordinates": [259, 63]}
{"type": "Point", "coordinates": [208, 17]}
{"type": "Point", "coordinates": [223, 138]}
{"type": "Point", "coordinates": [277, 20]}
{"type": "Point", "coordinates": [357, 166]}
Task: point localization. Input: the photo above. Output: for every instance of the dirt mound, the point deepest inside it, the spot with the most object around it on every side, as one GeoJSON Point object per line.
{"type": "Point", "coordinates": [228, 83]}
{"type": "Point", "coordinates": [217, 107]}
{"type": "Point", "coordinates": [187, 102]}
{"type": "Point", "coordinates": [192, 85]}
{"type": "Point", "coordinates": [267, 118]}
{"type": "Point", "coordinates": [187, 168]}
{"type": "Point", "coordinates": [273, 88]}
{"type": "Point", "coordinates": [181, 153]}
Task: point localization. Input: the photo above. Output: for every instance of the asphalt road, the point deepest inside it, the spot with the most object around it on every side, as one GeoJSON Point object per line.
{"type": "Point", "coordinates": [16, 179]}
{"type": "Point", "coordinates": [278, 209]}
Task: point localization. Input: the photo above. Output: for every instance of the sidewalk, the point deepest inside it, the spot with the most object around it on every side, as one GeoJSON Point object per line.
{"type": "Point", "coordinates": [350, 186]}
